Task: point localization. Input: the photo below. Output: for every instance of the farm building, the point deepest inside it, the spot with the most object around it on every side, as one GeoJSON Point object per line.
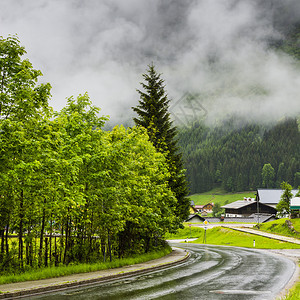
{"type": "Point", "coordinates": [195, 219]}
{"type": "Point", "coordinates": [270, 197]}
{"type": "Point", "coordinates": [245, 208]}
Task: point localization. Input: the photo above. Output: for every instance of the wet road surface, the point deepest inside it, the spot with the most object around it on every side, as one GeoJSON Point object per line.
{"type": "Point", "coordinates": [212, 272]}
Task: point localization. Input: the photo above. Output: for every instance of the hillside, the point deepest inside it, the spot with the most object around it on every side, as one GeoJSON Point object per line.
{"type": "Point", "coordinates": [287, 227]}
{"type": "Point", "coordinates": [233, 154]}
{"type": "Point", "coordinates": [220, 196]}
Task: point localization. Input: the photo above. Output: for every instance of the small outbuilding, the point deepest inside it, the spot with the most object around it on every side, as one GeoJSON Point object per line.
{"type": "Point", "coordinates": [195, 219]}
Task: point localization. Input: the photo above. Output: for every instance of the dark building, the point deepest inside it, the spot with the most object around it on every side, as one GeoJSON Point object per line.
{"type": "Point", "coordinates": [245, 208]}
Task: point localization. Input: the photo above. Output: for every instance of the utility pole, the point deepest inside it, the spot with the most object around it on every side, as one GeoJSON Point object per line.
{"type": "Point", "coordinates": [257, 210]}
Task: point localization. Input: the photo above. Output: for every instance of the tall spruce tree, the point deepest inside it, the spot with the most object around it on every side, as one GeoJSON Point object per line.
{"type": "Point", "coordinates": [153, 115]}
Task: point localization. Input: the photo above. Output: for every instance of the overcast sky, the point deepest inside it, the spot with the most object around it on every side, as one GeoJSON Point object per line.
{"type": "Point", "coordinates": [217, 49]}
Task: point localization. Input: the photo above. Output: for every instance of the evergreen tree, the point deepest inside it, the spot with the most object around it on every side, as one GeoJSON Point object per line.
{"type": "Point", "coordinates": [268, 175]}
{"type": "Point", "coordinates": [283, 207]}
{"type": "Point", "coordinates": [153, 115]}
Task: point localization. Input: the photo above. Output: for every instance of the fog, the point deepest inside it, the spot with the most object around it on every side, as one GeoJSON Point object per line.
{"type": "Point", "coordinates": [218, 50]}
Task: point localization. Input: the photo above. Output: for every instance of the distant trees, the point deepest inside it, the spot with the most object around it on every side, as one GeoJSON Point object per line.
{"type": "Point", "coordinates": [153, 115]}
{"type": "Point", "coordinates": [217, 210]}
{"type": "Point", "coordinates": [268, 175]}
{"type": "Point", "coordinates": [233, 156]}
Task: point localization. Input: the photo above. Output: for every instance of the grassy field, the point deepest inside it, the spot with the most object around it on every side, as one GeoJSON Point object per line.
{"type": "Point", "coordinates": [280, 227]}
{"type": "Point", "coordinates": [229, 237]}
{"type": "Point", "coordinates": [52, 272]}
{"type": "Point", "coordinates": [218, 195]}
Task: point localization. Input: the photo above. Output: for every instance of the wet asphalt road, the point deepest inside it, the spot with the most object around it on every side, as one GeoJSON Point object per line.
{"type": "Point", "coordinates": [212, 272]}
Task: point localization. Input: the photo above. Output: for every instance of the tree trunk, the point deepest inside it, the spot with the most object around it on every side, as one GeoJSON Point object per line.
{"type": "Point", "coordinates": [42, 235]}
{"type": "Point", "coordinates": [2, 242]}
{"type": "Point", "coordinates": [46, 252]}
{"type": "Point", "coordinates": [6, 238]}
{"type": "Point", "coordinates": [109, 245]}
{"type": "Point", "coordinates": [66, 241]}
{"type": "Point", "coordinates": [50, 244]}
{"type": "Point", "coordinates": [21, 216]}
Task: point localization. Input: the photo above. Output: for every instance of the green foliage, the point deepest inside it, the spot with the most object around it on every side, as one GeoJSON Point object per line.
{"type": "Point", "coordinates": [268, 175]}
{"type": "Point", "coordinates": [217, 210]}
{"type": "Point", "coordinates": [231, 155]}
{"type": "Point", "coordinates": [153, 115]}
{"type": "Point", "coordinates": [283, 207]}
{"type": "Point", "coordinates": [69, 191]}
{"type": "Point", "coordinates": [20, 96]}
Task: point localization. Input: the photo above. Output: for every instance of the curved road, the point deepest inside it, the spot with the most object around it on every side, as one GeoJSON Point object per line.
{"type": "Point", "coordinates": [212, 272]}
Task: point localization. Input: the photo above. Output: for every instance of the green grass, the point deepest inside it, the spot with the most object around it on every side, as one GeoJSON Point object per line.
{"type": "Point", "coordinates": [52, 272]}
{"type": "Point", "coordinates": [229, 237]}
{"type": "Point", "coordinates": [294, 293]}
{"type": "Point", "coordinates": [280, 227]}
{"type": "Point", "coordinates": [218, 195]}
{"type": "Point", "coordinates": [186, 232]}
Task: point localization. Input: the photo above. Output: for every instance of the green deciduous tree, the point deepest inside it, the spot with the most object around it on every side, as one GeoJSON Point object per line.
{"type": "Point", "coordinates": [153, 115]}
{"type": "Point", "coordinates": [70, 191]}
{"type": "Point", "coordinates": [20, 96]}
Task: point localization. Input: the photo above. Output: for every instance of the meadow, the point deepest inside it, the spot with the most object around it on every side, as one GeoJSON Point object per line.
{"type": "Point", "coordinates": [218, 195]}
{"type": "Point", "coordinates": [228, 237]}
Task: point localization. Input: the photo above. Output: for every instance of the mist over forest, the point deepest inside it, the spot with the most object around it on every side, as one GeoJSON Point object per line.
{"type": "Point", "coordinates": [226, 54]}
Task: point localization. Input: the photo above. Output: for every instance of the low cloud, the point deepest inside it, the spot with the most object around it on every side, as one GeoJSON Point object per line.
{"type": "Point", "coordinates": [216, 49]}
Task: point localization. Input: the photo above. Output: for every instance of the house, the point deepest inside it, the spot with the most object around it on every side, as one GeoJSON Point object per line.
{"type": "Point", "coordinates": [193, 210]}
{"type": "Point", "coordinates": [205, 208]}
{"type": "Point", "coordinates": [245, 208]}
{"type": "Point", "coordinates": [270, 197]}
{"type": "Point", "coordinates": [208, 207]}
{"type": "Point", "coordinates": [194, 219]}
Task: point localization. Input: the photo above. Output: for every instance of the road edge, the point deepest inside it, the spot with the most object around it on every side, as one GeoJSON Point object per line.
{"type": "Point", "coordinates": [88, 282]}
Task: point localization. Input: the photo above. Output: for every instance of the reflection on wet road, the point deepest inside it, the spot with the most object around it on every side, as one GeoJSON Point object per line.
{"type": "Point", "coordinates": [212, 272]}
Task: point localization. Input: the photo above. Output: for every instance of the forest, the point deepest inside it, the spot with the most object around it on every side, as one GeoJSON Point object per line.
{"type": "Point", "coordinates": [69, 191]}
{"type": "Point", "coordinates": [239, 156]}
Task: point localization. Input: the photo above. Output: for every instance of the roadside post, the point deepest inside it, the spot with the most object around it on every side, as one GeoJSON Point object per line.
{"type": "Point", "coordinates": [253, 243]}
{"type": "Point", "coordinates": [204, 237]}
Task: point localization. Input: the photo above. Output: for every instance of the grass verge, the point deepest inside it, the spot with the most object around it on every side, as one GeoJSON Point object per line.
{"type": "Point", "coordinates": [52, 272]}
{"type": "Point", "coordinates": [229, 237]}
{"type": "Point", "coordinates": [280, 227]}
{"type": "Point", "coordinates": [186, 232]}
